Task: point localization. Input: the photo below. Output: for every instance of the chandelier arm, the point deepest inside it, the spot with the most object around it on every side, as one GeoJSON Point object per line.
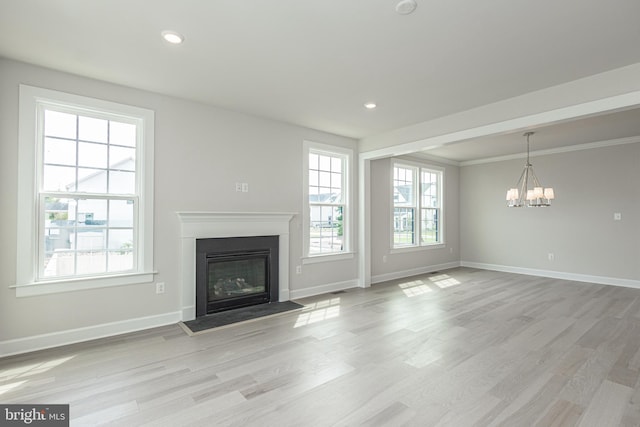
{"type": "Point", "coordinates": [537, 196]}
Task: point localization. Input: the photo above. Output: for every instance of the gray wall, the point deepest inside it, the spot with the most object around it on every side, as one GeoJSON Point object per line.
{"type": "Point", "coordinates": [201, 152]}
{"type": "Point", "coordinates": [590, 186]}
{"type": "Point", "coordinates": [401, 262]}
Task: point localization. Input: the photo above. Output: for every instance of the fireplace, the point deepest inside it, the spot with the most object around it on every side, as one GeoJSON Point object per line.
{"type": "Point", "coordinates": [234, 272]}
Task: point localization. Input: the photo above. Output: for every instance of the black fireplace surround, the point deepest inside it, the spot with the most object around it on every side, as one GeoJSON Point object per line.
{"type": "Point", "coordinates": [234, 272]}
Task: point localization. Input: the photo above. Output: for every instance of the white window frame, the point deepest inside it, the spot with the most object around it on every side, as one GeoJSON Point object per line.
{"type": "Point", "coordinates": [347, 227]}
{"type": "Point", "coordinates": [417, 169]}
{"type": "Point", "coordinates": [29, 231]}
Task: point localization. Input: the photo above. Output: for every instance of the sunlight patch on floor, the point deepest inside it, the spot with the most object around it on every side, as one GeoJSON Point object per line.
{"type": "Point", "coordinates": [8, 387]}
{"type": "Point", "coordinates": [319, 311]}
{"type": "Point", "coordinates": [33, 369]}
{"type": "Point", "coordinates": [27, 371]}
{"type": "Point", "coordinates": [444, 281]}
{"type": "Point", "coordinates": [415, 288]}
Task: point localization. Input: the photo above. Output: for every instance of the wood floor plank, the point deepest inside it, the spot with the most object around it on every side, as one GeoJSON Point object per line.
{"type": "Point", "coordinates": [460, 347]}
{"type": "Point", "coordinates": [607, 406]}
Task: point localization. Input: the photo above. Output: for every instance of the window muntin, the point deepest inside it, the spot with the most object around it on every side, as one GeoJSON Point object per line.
{"type": "Point", "coordinates": [404, 206]}
{"type": "Point", "coordinates": [47, 211]}
{"type": "Point", "coordinates": [327, 202]}
{"type": "Point", "coordinates": [87, 195]}
{"type": "Point", "coordinates": [417, 206]}
{"type": "Point", "coordinates": [430, 207]}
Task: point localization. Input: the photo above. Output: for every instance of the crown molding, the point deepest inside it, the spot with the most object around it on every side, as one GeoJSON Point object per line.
{"type": "Point", "coordinates": [567, 149]}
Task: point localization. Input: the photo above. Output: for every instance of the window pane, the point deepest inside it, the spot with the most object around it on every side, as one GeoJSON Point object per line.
{"type": "Point", "coordinates": [336, 164]}
{"type": "Point", "coordinates": [325, 184]}
{"type": "Point", "coordinates": [80, 238]}
{"type": "Point", "coordinates": [120, 239]}
{"type": "Point", "coordinates": [430, 232]}
{"type": "Point", "coordinates": [120, 260]}
{"type": "Point", "coordinates": [58, 263]}
{"type": "Point", "coordinates": [429, 189]}
{"type": "Point", "coordinates": [313, 178]}
{"type": "Point", "coordinates": [91, 129]}
{"type": "Point", "coordinates": [121, 213]}
{"type": "Point", "coordinates": [122, 182]}
{"type": "Point", "coordinates": [58, 178]}
{"type": "Point", "coordinates": [122, 134]}
{"type": "Point", "coordinates": [403, 227]}
{"type": "Point", "coordinates": [62, 125]}
{"type": "Point", "coordinates": [91, 213]}
{"type": "Point", "coordinates": [59, 151]}
{"type": "Point", "coordinates": [122, 158]}
{"type": "Point", "coordinates": [91, 262]}
{"type": "Point", "coordinates": [326, 229]}
{"type": "Point", "coordinates": [325, 163]}
{"type": "Point", "coordinates": [325, 179]}
{"type": "Point", "coordinates": [313, 161]}
{"type": "Point", "coordinates": [92, 180]}
{"type": "Point", "coordinates": [403, 189]}
{"type": "Point", "coordinates": [92, 155]}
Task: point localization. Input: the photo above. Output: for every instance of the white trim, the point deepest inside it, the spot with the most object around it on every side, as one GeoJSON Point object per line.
{"type": "Point", "coordinates": [28, 235]}
{"type": "Point", "coordinates": [613, 281]}
{"type": "Point", "coordinates": [406, 249]}
{"type": "Point", "coordinates": [81, 284]}
{"type": "Point", "coordinates": [315, 259]}
{"type": "Point", "coordinates": [347, 177]}
{"type": "Point", "coordinates": [413, 272]}
{"type": "Point", "coordinates": [323, 289]}
{"type": "Point", "coordinates": [202, 225]}
{"type": "Point", "coordinates": [558, 115]}
{"type": "Point", "coordinates": [71, 336]}
{"type": "Point", "coordinates": [364, 223]}
{"type": "Point", "coordinates": [558, 150]}
{"type": "Point", "coordinates": [418, 168]}
{"type": "Point", "coordinates": [421, 155]}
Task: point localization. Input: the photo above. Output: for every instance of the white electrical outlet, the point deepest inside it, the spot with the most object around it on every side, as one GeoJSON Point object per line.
{"type": "Point", "coordinates": [160, 288]}
{"type": "Point", "coordinates": [298, 269]}
{"type": "Point", "coordinates": [238, 186]}
{"type": "Point", "coordinates": [617, 216]}
{"type": "Point", "coordinates": [245, 187]}
{"type": "Point", "coordinates": [551, 256]}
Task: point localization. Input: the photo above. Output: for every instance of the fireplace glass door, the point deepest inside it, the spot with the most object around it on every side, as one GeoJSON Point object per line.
{"type": "Point", "coordinates": [237, 280]}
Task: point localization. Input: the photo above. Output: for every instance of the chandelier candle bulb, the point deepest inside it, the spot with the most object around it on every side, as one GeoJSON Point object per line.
{"type": "Point", "coordinates": [528, 190]}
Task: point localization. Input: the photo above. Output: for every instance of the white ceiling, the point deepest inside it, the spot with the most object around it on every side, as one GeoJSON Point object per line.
{"type": "Point", "coordinates": [315, 63]}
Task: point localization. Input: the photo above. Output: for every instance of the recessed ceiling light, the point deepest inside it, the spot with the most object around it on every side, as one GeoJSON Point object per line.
{"type": "Point", "coordinates": [370, 105]}
{"type": "Point", "coordinates": [172, 37]}
{"type": "Point", "coordinates": [405, 7]}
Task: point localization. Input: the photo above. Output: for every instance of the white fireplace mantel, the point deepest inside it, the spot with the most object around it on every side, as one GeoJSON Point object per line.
{"type": "Point", "coordinates": [203, 225]}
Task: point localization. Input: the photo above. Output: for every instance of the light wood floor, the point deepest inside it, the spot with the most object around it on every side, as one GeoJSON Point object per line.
{"type": "Point", "coordinates": [461, 347]}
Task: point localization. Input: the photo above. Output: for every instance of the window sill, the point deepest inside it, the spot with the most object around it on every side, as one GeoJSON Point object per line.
{"type": "Point", "coordinates": [400, 250]}
{"type": "Point", "coordinates": [81, 284]}
{"type": "Point", "coordinates": [314, 259]}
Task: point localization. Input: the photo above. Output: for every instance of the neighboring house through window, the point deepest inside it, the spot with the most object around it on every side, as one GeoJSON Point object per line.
{"type": "Point", "coordinates": [327, 191]}
{"type": "Point", "coordinates": [417, 205]}
{"type": "Point", "coordinates": [90, 163]}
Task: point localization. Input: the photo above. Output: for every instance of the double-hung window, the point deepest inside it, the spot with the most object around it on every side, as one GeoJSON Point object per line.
{"type": "Point", "coordinates": [89, 166]}
{"type": "Point", "coordinates": [327, 223]}
{"type": "Point", "coordinates": [417, 205]}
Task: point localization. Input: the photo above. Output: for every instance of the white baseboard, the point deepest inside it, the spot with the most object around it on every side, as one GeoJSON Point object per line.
{"type": "Point", "coordinates": [323, 289]}
{"type": "Point", "coordinates": [614, 281]}
{"type": "Point", "coordinates": [71, 336]}
{"type": "Point", "coordinates": [413, 272]}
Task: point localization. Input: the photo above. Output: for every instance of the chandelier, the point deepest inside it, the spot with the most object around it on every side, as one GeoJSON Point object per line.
{"type": "Point", "coordinates": [528, 189]}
